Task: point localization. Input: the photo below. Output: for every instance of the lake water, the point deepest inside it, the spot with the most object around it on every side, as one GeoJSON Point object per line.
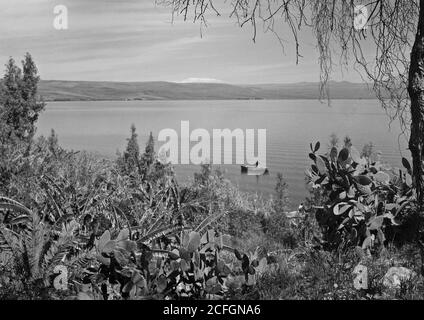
{"type": "Point", "coordinates": [103, 127]}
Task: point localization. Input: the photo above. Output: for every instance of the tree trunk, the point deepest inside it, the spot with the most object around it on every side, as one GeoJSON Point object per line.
{"type": "Point", "coordinates": [416, 93]}
{"type": "Point", "coordinates": [416, 140]}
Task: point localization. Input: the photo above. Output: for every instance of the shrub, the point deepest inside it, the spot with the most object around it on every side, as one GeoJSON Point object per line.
{"type": "Point", "coordinates": [364, 200]}
{"type": "Point", "coordinates": [160, 262]}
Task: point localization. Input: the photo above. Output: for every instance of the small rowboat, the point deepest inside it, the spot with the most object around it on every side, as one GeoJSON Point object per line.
{"type": "Point", "coordinates": [254, 170]}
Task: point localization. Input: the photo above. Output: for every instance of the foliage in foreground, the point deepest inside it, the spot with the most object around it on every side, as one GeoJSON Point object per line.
{"type": "Point", "coordinates": [364, 202]}
{"type": "Point", "coordinates": [164, 262]}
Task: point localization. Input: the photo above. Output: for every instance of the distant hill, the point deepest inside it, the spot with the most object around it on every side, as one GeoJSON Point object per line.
{"type": "Point", "coordinates": [52, 90]}
{"type": "Point", "coordinates": [310, 90]}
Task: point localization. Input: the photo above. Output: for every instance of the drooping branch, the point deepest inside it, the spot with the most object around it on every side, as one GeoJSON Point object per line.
{"type": "Point", "coordinates": [388, 33]}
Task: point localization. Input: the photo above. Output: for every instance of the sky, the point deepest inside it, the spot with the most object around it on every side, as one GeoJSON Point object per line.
{"type": "Point", "coordinates": [135, 40]}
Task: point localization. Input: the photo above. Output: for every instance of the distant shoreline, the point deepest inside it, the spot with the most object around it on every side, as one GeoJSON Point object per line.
{"type": "Point", "coordinates": [223, 99]}
{"type": "Point", "coordinates": [61, 91]}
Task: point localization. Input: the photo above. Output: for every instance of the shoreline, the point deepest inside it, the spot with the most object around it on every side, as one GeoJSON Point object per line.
{"type": "Point", "coordinates": [215, 99]}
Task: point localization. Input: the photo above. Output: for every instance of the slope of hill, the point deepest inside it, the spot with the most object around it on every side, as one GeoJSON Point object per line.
{"type": "Point", "coordinates": [310, 90]}
{"type": "Point", "coordinates": [53, 90]}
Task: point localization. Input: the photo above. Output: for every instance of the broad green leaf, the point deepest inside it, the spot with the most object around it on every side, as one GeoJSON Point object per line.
{"type": "Point", "coordinates": [161, 283]}
{"type": "Point", "coordinates": [406, 164]}
{"type": "Point", "coordinates": [124, 234]}
{"type": "Point", "coordinates": [184, 254]}
{"type": "Point", "coordinates": [341, 208]}
{"type": "Point", "coordinates": [343, 155]}
{"type": "Point", "coordinates": [321, 165]}
{"type": "Point", "coordinates": [408, 180]}
{"type": "Point", "coordinates": [127, 245]}
{"type": "Point", "coordinates": [368, 243]}
{"type": "Point", "coordinates": [333, 153]}
{"type": "Point", "coordinates": [382, 177]}
{"type": "Point", "coordinates": [184, 265]}
{"type": "Point", "coordinates": [376, 223]}
{"type": "Point", "coordinates": [105, 238]}
{"type": "Point", "coordinates": [212, 286]}
{"type": "Point", "coordinates": [363, 180]}
{"type": "Point", "coordinates": [194, 241]}
{"type": "Point", "coordinates": [109, 246]}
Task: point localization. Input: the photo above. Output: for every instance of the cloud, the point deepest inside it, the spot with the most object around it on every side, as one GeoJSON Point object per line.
{"type": "Point", "coordinates": [201, 80]}
{"type": "Point", "coordinates": [134, 40]}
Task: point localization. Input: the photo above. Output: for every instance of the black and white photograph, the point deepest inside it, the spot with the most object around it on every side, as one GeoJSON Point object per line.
{"type": "Point", "coordinates": [211, 155]}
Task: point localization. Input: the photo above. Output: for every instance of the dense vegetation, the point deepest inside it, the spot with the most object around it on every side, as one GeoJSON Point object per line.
{"type": "Point", "coordinates": [75, 226]}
